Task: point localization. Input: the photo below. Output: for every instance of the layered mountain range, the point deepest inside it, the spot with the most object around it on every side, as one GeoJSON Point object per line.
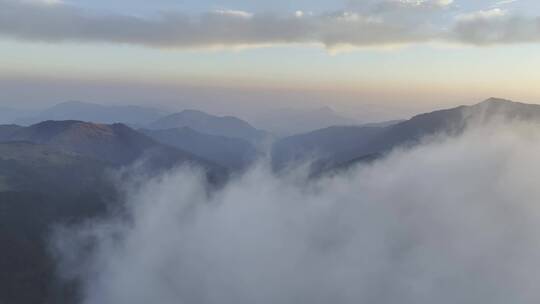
{"type": "Point", "coordinates": [59, 171]}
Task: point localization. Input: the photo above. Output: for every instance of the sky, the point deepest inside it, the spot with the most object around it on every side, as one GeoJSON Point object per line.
{"type": "Point", "coordinates": [383, 58]}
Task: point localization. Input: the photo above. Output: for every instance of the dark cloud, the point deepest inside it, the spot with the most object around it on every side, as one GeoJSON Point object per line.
{"type": "Point", "coordinates": [364, 23]}
{"type": "Point", "coordinates": [495, 27]}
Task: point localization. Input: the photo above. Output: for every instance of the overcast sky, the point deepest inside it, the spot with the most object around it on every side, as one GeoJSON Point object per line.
{"type": "Point", "coordinates": [390, 53]}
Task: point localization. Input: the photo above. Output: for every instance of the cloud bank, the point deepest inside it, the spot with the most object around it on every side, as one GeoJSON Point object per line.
{"type": "Point", "coordinates": [360, 24]}
{"type": "Point", "coordinates": [455, 220]}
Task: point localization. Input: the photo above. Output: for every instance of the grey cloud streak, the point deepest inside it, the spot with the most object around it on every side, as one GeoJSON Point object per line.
{"type": "Point", "coordinates": [379, 23]}
{"type": "Point", "coordinates": [498, 30]}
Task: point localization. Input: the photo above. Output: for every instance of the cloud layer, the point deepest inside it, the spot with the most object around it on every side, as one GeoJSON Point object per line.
{"type": "Point", "coordinates": [359, 24]}
{"type": "Point", "coordinates": [455, 220]}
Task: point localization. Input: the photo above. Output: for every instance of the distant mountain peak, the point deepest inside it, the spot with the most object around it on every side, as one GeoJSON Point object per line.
{"type": "Point", "coordinates": [336, 145]}
{"type": "Point", "coordinates": [72, 102]}
{"type": "Point", "coordinates": [325, 109]}
{"type": "Point", "coordinates": [202, 122]}
{"type": "Point", "coordinates": [496, 100]}
{"type": "Point", "coordinates": [197, 114]}
{"type": "Point", "coordinates": [85, 111]}
{"type": "Point", "coordinates": [115, 144]}
{"type": "Point", "coordinates": [193, 111]}
{"type": "Point", "coordinates": [189, 113]}
{"type": "Point", "coordinates": [48, 123]}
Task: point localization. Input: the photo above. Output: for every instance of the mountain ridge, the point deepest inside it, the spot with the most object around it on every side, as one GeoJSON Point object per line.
{"type": "Point", "coordinates": [93, 112]}
{"type": "Point", "coordinates": [233, 153]}
{"type": "Point", "coordinates": [116, 144]}
{"type": "Point", "coordinates": [202, 122]}
{"type": "Point", "coordinates": [358, 142]}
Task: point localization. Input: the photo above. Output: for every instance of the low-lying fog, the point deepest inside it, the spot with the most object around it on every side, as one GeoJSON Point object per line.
{"type": "Point", "coordinates": [454, 220]}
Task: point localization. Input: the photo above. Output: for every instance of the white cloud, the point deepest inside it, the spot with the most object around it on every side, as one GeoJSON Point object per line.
{"type": "Point", "coordinates": [487, 14]}
{"type": "Point", "coordinates": [495, 26]}
{"type": "Point", "coordinates": [441, 3]}
{"type": "Point", "coordinates": [504, 2]}
{"type": "Point", "coordinates": [234, 13]}
{"type": "Point", "coordinates": [445, 2]}
{"type": "Point", "coordinates": [455, 220]}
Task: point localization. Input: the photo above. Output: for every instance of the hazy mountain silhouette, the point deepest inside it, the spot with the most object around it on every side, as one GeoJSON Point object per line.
{"type": "Point", "coordinates": [83, 111]}
{"type": "Point", "coordinates": [9, 115]}
{"type": "Point", "coordinates": [286, 122]}
{"type": "Point", "coordinates": [228, 126]}
{"type": "Point", "coordinates": [234, 153]}
{"type": "Point", "coordinates": [334, 146]}
{"type": "Point", "coordinates": [382, 124]}
{"type": "Point", "coordinates": [336, 143]}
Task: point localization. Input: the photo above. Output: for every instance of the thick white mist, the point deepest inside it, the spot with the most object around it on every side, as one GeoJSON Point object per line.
{"type": "Point", "coordinates": [455, 220]}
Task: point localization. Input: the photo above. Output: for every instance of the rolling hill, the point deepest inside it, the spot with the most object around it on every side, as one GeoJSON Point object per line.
{"type": "Point", "coordinates": [116, 143]}
{"type": "Point", "coordinates": [227, 126]}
